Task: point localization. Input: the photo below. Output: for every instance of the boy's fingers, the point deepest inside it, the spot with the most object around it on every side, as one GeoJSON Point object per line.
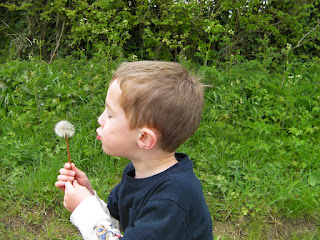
{"type": "Point", "coordinates": [64, 171]}
{"type": "Point", "coordinates": [65, 178]}
{"type": "Point", "coordinates": [59, 184]}
{"type": "Point", "coordinates": [67, 166]}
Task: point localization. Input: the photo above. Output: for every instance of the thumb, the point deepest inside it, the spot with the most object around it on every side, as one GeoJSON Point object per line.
{"type": "Point", "coordinates": [68, 186]}
{"type": "Point", "coordinates": [67, 166]}
{"type": "Point", "coordinates": [76, 170]}
{"type": "Point", "coordinates": [76, 184]}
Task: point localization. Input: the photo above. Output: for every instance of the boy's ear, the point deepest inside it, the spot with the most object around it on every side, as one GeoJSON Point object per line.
{"type": "Point", "coordinates": [148, 138]}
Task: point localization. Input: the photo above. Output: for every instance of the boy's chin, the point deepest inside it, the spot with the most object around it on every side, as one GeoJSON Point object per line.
{"type": "Point", "coordinates": [110, 153]}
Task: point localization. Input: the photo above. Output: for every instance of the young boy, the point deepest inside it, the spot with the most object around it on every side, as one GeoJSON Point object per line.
{"type": "Point", "coordinates": [151, 109]}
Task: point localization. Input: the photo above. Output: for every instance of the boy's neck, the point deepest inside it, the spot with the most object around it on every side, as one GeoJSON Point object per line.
{"type": "Point", "coordinates": [150, 166]}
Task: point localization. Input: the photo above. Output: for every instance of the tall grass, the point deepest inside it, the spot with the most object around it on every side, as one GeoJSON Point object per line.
{"type": "Point", "coordinates": [257, 150]}
{"type": "Point", "coordinates": [258, 146]}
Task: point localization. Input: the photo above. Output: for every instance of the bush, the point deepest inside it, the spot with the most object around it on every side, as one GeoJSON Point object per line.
{"type": "Point", "coordinates": [205, 32]}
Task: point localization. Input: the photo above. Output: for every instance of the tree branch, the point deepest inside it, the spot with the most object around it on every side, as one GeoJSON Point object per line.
{"type": "Point", "coordinates": [315, 28]}
{"type": "Point", "coordinates": [58, 43]}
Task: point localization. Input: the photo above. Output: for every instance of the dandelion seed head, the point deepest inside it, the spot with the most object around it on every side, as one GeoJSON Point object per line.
{"type": "Point", "coordinates": [64, 128]}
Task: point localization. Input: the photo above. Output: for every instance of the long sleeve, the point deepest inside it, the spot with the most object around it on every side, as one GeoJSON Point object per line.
{"type": "Point", "coordinates": [94, 221]}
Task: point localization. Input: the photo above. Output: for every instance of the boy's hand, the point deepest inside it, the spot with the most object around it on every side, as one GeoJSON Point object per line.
{"type": "Point", "coordinates": [74, 195]}
{"type": "Point", "coordinates": [71, 173]}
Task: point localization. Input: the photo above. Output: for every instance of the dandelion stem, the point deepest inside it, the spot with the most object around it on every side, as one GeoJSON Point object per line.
{"type": "Point", "coordinates": [68, 151]}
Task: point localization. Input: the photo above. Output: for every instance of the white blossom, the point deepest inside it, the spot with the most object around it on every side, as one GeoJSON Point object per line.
{"type": "Point", "coordinates": [288, 46]}
{"type": "Point", "coordinates": [64, 128]}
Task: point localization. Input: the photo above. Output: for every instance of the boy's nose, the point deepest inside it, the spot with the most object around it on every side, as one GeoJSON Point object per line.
{"type": "Point", "coordinates": [101, 120]}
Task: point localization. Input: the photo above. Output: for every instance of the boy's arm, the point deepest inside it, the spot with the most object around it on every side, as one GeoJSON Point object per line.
{"type": "Point", "coordinates": [114, 221]}
{"type": "Point", "coordinates": [158, 220]}
{"type": "Point", "coordinates": [94, 221]}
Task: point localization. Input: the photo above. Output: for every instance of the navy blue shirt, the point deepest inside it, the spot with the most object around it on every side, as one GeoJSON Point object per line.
{"type": "Point", "coordinates": [168, 205]}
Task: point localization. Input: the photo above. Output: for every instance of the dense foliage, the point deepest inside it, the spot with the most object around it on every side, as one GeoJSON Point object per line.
{"type": "Point", "coordinates": [207, 32]}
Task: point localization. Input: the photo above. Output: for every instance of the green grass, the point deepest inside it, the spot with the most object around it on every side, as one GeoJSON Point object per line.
{"type": "Point", "coordinates": [257, 150]}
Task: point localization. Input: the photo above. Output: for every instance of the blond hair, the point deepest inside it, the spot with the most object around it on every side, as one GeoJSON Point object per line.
{"type": "Point", "coordinates": [161, 95]}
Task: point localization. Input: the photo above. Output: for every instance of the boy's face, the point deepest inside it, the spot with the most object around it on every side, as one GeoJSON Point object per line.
{"type": "Point", "coordinates": [114, 133]}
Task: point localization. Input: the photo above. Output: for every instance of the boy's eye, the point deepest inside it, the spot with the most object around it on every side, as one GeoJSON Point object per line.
{"type": "Point", "coordinates": [109, 116]}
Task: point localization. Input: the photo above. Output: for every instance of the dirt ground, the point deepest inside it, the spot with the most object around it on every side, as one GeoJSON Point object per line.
{"type": "Point", "coordinates": [47, 225]}
{"type": "Point", "coordinates": [268, 228]}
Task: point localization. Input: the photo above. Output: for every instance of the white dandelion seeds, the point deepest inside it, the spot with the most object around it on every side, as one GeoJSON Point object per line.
{"type": "Point", "coordinates": [66, 130]}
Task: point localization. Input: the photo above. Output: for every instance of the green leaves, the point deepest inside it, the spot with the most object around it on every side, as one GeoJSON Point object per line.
{"type": "Point", "coordinates": [208, 33]}
{"type": "Point", "coordinates": [314, 178]}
